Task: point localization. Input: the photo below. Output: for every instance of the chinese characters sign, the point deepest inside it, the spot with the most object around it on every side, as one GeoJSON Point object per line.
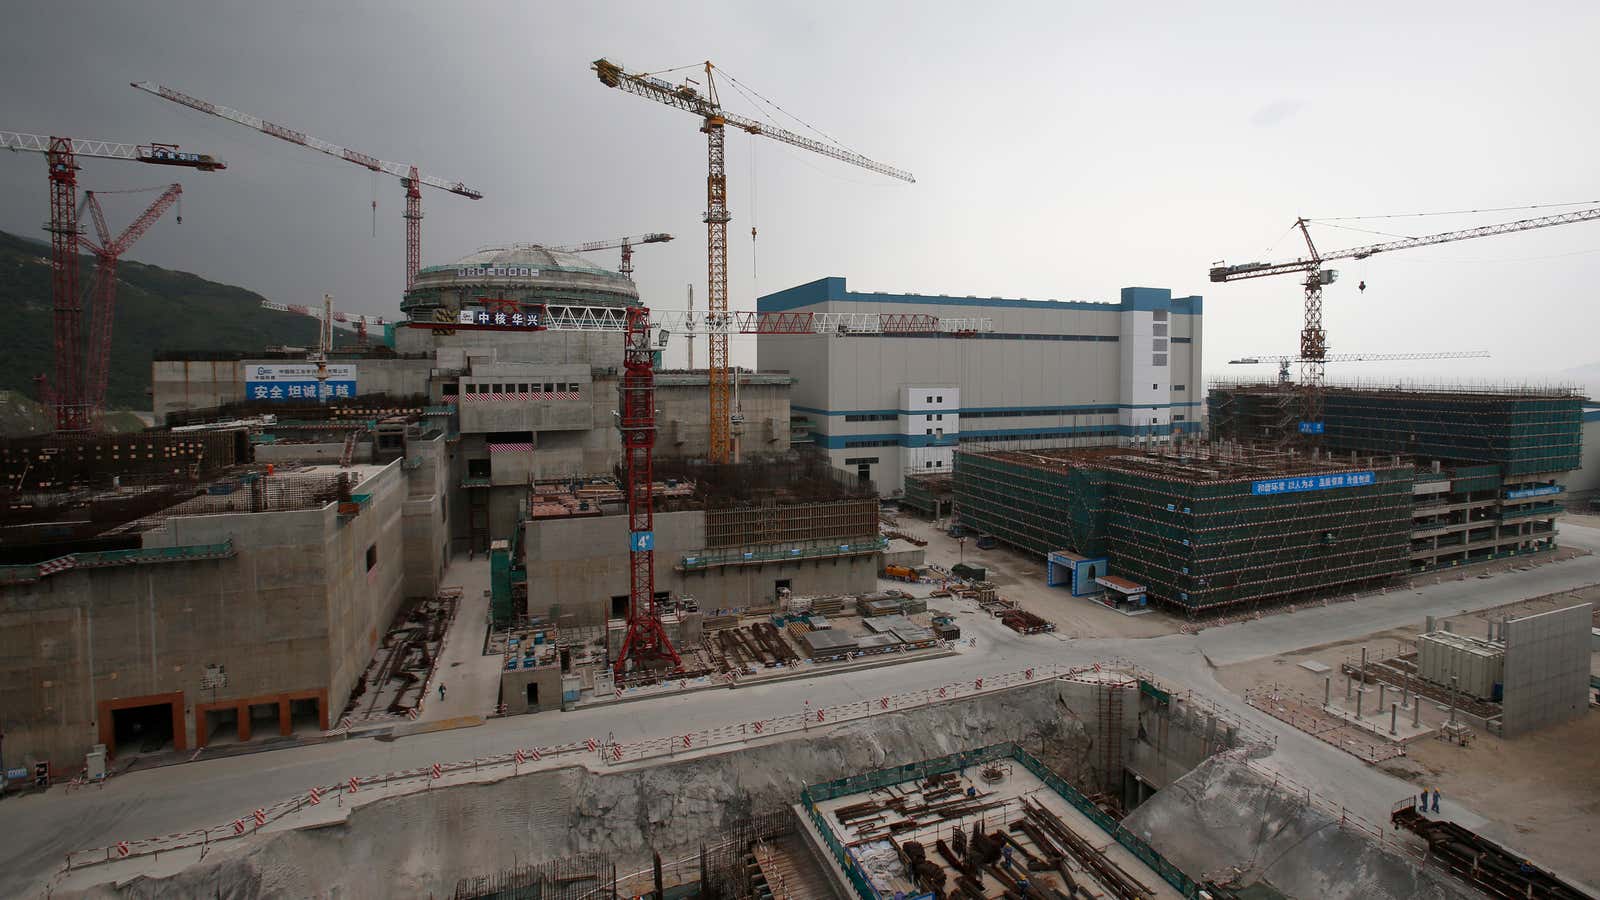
{"type": "Point", "coordinates": [298, 381]}
{"type": "Point", "coordinates": [500, 319]}
{"type": "Point", "coordinates": [1311, 483]}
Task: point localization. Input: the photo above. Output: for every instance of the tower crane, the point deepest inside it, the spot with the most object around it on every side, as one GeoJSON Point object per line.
{"type": "Point", "coordinates": [352, 321]}
{"type": "Point", "coordinates": [627, 244]}
{"type": "Point", "coordinates": [410, 178]}
{"type": "Point", "coordinates": [1313, 339]}
{"type": "Point", "coordinates": [646, 647]}
{"type": "Point", "coordinates": [713, 120]}
{"type": "Point", "coordinates": [103, 291]}
{"type": "Point", "coordinates": [1284, 361]}
{"type": "Point", "coordinates": [66, 393]}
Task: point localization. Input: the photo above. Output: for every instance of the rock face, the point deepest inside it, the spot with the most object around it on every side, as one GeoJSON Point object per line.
{"type": "Point", "coordinates": [1224, 815]}
{"type": "Point", "coordinates": [420, 844]}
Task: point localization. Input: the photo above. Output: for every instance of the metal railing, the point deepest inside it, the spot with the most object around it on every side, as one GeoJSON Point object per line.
{"type": "Point", "coordinates": [715, 558]}
{"type": "Point", "coordinates": [101, 559]}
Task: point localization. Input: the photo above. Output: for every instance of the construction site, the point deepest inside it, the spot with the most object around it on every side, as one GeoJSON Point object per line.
{"type": "Point", "coordinates": [931, 599]}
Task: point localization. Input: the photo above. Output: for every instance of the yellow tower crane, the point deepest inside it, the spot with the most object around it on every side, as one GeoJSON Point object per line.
{"type": "Point", "coordinates": [713, 119]}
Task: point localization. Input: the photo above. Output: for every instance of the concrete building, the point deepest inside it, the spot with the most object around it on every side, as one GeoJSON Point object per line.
{"type": "Point", "coordinates": [249, 608]}
{"type": "Point", "coordinates": [519, 404]}
{"type": "Point", "coordinates": [887, 405]}
{"type": "Point", "coordinates": [730, 540]}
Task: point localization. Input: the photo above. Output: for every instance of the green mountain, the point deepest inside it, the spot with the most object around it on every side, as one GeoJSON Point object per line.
{"type": "Point", "coordinates": [157, 310]}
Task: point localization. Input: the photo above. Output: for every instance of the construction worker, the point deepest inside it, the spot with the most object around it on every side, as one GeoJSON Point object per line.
{"type": "Point", "coordinates": [1422, 801]}
{"type": "Point", "coordinates": [441, 692]}
{"type": "Point", "coordinates": [1435, 799]}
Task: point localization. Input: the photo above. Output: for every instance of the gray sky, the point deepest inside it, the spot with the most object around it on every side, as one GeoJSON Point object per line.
{"type": "Point", "coordinates": [1062, 151]}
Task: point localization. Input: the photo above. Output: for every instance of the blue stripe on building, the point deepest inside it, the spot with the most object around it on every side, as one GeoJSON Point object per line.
{"type": "Point", "coordinates": [863, 441]}
{"type": "Point", "coordinates": [832, 290]}
{"type": "Point", "coordinates": [976, 411]}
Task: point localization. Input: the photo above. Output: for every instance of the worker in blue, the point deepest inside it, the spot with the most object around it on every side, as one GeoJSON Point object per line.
{"type": "Point", "coordinates": [1435, 799]}
{"type": "Point", "coordinates": [1422, 800]}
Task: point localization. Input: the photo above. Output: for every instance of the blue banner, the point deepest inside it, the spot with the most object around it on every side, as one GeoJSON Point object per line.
{"type": "Point", "coordinates": [298, 381]}
{"type": "Point", "coordinates": [1311, 428]}
{"type": "Point", "coordinates": [1542, 491]}
{"type": "Point", "coordinates": [1312, 483]}
{"type": "Point", "coordinates": [640, 541]}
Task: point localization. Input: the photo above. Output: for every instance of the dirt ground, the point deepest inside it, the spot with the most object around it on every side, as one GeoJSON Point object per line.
{"type": "Point", "coordinates": [1022, 579]}
{"type": "Point", "coordinates": [1544, 786]}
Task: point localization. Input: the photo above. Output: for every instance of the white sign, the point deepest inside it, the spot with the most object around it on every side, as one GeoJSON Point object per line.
{"type": "Point", "coordinates": [269, 372]}
{"type": "Point", "coordinates": [498, 319]}
{"type": "Point", "coordinates": [497, 272]}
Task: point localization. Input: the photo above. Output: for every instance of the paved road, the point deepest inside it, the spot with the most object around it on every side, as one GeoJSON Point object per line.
{"type": "Point", "coordinates": [42, 829]}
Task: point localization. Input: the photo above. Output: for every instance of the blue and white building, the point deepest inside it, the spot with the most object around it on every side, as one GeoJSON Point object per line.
{"type": "Point", "coordinates": [1051, 373]}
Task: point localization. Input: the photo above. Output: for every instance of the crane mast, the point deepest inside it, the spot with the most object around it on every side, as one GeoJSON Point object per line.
{"type": "Point", "coordinates": [1313, 355]}
{"type": "Point", "coordinates": [67, 391]}
{"type": "Point", "coordinates": [713, 123]}
{"type": "Point", "coordinates": [410, 179]}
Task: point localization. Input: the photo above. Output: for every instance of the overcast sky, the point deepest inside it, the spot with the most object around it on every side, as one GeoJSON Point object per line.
{"type": "Point", "coordinates": [1061, 150]}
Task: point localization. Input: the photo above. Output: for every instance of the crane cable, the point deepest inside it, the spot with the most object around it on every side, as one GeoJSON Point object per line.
{"type": "Point", "coordinates": [1457, 212]}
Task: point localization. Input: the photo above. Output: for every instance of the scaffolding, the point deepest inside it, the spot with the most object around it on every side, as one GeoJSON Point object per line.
{"type": "Point", "coordinates": [1202, 526]}
{"type": "Point", "coordinates": [1521, 431]}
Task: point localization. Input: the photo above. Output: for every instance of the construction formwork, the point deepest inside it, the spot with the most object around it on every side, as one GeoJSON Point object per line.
{"type": "Point", "coordinates": [1520, 431]}
{"type": "Point", "coordinates": [790, 523]}
{"type": "Point", "coordinates": [1202, 527]}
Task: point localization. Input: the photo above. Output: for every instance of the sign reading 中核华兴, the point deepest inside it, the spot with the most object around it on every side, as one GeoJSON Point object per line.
{"type": "Point", "coordinates": [1311, 483]}
{"type": "Point", "coordinates": [500, 319]}
{"type": "Point", "coordinates": [298, 381]}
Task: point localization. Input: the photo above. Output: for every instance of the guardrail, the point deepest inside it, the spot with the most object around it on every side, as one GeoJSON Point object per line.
{"type": "Point", "coordinates": [604, 752]}
{"type": "Point", "coordinates": [739, 557]}
{"type": "Point", "coordinates": [102, 559]}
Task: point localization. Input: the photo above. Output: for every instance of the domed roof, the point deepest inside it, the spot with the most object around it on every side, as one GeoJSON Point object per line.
{"type": "Point", "coordinates": [529, 255]}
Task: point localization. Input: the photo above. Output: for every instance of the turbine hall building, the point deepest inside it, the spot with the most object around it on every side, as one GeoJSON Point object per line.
{"type": "Point", "coordinates": [888, 405]}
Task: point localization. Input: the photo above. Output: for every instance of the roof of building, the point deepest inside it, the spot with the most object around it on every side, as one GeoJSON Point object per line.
{"type": "Point", "coordinates": [530, 255]}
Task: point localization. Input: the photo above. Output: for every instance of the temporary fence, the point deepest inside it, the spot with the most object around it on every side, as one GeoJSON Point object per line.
{"type": "Point", "coordinates": [1306, 715]}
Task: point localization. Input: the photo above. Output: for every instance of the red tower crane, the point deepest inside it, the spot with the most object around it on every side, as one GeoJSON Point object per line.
{"type": "Point", "coordinates": [66, 392]}
{"type": "Point", "coordinates": [410, 179]}
{"type": "Point", "coordinates": [103, 291]}
{"type": "Point", "coordinates": [627, 244]}
{"type": "Point", "coordinates": [646, 645]}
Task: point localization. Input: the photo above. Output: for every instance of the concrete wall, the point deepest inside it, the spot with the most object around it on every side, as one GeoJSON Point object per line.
{"type": "Point", "coordinates": [204, 384]}
{"type": "Point", "coordinates": [514, 689]}
{"type": "Point", "coordinates": [1546, 669]}
{"type": "Point", "coordinates": [294, 611]}
{"type": "Point", "coordinates": [1051, 371]}
{"type": "Point", "coordinates": [425, 522]}
{"type": "Point", "coordinates": [575, 566]}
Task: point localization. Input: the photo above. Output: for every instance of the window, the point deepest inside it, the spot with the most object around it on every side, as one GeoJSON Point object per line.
{"type": "Point", "coordinates": [1159, 315]}
{"type": "Point", "coordinates": [548, 387]}
{"type": "Point", "coordinates": [1158, 359]}
{"type": "Point", "coordinates": [928, 417]}
{"type": "Point", "coordinates": [930, 431]}
{"type": "Point", "coordinates": [372, 557]}
{"type": "Point", "coordinates": [861, 461]}
{"type": "Point", "coordinates": [930, 398]}
{"type": "Point", "coordinates": [941, 417]}
{"type": "Point", "coordinates": [1180, 387]}
{"type": "Point", "coordinates": [930, 464]}
{"type": "Point", "coordinates": [1155, 387]}
{"type": "Point", "coordinates": [1158, 344]}
{"type": "Point", "coordinates": [472, 389]}
{"type": "Point", "coordinates": [450, 390]}
{"type": "Point", "coordinates": [870, 417]}
{"type": "Point", "coordinates": [1178, 417]}
{"type": "Point", "coordinates": [1154, 421]}
{"type": "Point", "coordinates": [522, 388]}
{"type": "Point", "coordinates": [939, 399]}
{"type": "Point", "coordinates": [499, 389]}
{"type": "Point", "coordinates": [1159, 329]}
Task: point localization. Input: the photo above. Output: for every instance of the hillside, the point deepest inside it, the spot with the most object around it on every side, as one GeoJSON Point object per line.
{"type": "Point", "coordinates": [157, 309]}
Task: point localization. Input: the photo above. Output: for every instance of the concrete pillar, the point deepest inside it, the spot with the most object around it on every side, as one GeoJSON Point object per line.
{"type": "Point", "coordinates": [1360, 695]}
{"type": "Point", "coordinates": [1382, 688]}
{"type": "Point", "coordinates": [1430, 624]}
{"type": "Point", "coordinates": [1349, 683]}
{"type": "Point", "coordinates": [1327, 691]}
{"type": "Point", "coordinates": [1394, 714]}
{"type": "Point", "coordinates": [1416, 713]}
